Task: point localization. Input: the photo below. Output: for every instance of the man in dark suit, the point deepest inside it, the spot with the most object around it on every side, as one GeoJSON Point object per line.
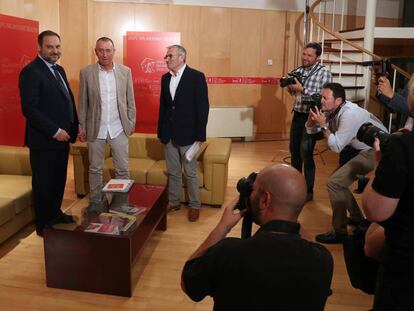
{"type": "Point", "coordinates": [182, 122]}
{"type": "Point", "coordinates": [51, 123]}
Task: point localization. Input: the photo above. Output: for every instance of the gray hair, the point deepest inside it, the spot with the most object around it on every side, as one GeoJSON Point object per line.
{"type": "Point", "coordinates": [180, 49]}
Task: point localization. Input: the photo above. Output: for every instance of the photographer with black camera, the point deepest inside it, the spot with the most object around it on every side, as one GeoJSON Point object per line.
{"type": "Point", "coordinates": [275, 269]}
{"type": "Point", "coordinates": [395, 101]}
{"type": "Point", "coordinates": [339, 121]}
{"type": "Point", "coordinates": [302, 83]}
{"type": "Point", "coordinates": [390, 201]}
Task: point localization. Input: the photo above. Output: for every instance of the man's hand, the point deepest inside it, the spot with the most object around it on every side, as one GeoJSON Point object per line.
{"type": "Point", "coordinates": [318, 117]}
{"type": "Point", "coordinates": [62, 136]}
{"type": "Point", "coordinates": [81, 134]}
{"type": "Point", "coordinates": [230, 216]}
{"type": "Point", "coordinates": [296, 88]}
{"type": "Point", "coordinates": [384, 87]}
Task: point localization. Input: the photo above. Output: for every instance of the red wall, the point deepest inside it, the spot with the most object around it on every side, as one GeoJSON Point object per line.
{"type": "Point", "coordinates": [18, 39]}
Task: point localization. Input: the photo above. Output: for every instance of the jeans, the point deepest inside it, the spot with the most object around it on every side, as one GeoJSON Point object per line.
{"type": "Point", "coordinates": [301, 148]}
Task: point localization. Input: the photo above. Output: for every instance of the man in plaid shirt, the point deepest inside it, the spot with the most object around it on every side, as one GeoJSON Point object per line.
{"type": "Point", "coordinates": [313, 77]}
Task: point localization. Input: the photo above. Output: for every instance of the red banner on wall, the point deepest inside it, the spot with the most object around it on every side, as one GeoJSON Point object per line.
{"type": "Point", "coordinates": [242, 80]}
{"type": "Point", "coordinates": [144, 54]}
{"type": "Point", "coordinates": [19, 47]}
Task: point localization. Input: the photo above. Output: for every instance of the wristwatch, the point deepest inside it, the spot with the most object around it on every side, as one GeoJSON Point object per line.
{"type": "Point", "coordinates": [324, 128]}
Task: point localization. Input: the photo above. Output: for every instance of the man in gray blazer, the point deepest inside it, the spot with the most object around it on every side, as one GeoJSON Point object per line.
{"type": "Point", "coordinates": [106, 115]}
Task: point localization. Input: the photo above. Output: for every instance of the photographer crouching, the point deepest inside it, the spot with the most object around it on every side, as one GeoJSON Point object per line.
{"type": "Point", "coordinates": [389, 201]}
{"type": "Point", "coordinates": [275, 269]}
{"type": "Point", "coordinates": [339, 121]}
{"type": "Point", "coordinates": [302, 83]}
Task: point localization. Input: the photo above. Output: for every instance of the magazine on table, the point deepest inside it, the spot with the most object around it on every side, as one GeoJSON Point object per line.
{"type": "Point", "coordinates": [118, 185]}
{"type": "Point", "coordinates": [102, 228]}
{"type": "Point", "coordinates": [128, 209]}
{"type": "Point", "coordinates": [122, 221]}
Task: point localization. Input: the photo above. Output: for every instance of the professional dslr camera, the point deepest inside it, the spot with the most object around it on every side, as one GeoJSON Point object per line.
{"type": "Point", "coordinates": [245, 188]}
{"type": "Point", "coordinates": [379, 67]}
{"type": "Point", "coordinates": [368, 132]}
{"type": "Point", "coordinates": [312, 100]}
{"type": "Point", "coordinates": [290, 79]}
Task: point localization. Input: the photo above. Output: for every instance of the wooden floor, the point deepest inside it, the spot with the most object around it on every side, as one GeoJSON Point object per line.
{"type": "Point", "coordinates": [22, 274]}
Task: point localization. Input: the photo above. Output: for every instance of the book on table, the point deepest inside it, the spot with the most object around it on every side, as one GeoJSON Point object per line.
{"type": "Point", "coordinates": [102, 228]}
{"type": "Point", "coordinates": [128, 209]}
{"type": "Point", "coordinates": [118, 185]}
{"type": "Point", "coordinates": [122, 221]}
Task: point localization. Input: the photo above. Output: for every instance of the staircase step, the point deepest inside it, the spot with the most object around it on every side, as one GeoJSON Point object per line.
{"type": "Point", "coordinates": [353, 87]}
{"type": "Point", "coordinates": [358, 101]}
{"type": "Point", "coordinates": [350, 30]}
{"type": "Point", "coordinates": [347, 74]}
{"type": "Point", "coordinates": [334, 62]}
{"type": "Point", "coordinates": [338, 40]}
{"type": "Point", "coordinates": [327, 49]}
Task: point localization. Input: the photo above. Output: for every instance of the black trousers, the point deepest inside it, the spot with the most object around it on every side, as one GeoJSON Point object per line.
{"type": "Point", "coordinates": [49, 170]}
{"type": "Point", "coordinates": [301, 148]}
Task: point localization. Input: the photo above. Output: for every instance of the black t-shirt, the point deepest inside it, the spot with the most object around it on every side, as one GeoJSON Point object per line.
{"type": "Point", "coordinates": [273, 270]}
{"type": "Point", "coordinates": [394, 178]}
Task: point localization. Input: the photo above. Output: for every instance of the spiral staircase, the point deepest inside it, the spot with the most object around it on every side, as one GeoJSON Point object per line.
{"type": "Point", "coordinates": [343, 52]}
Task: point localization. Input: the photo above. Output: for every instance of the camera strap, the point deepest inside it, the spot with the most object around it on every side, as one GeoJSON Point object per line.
{"type": "Point", "coordinates": [314, 70]}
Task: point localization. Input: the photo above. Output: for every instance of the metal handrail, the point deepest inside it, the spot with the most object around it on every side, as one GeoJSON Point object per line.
{"type": "Point", "coordinates": [316, 22]}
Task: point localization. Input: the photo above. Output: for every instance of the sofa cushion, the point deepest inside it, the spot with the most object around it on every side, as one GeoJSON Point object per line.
{"type": "Point", "coordinates": [145, 146]}
{"type": "Point", "coordinates": [138, 169]}
{"type": "Point", "coordinates": [18, 188]}
{"type": "Point", "coordinates": [6, 210]}
{"type": "Point", "coordinates": [158, 175]}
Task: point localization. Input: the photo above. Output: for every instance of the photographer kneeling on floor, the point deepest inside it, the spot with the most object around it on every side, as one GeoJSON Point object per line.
{"type": "Point", "coordinates": [389, 201]}
{"type": "Point", "coordinates": [339, 121]}
{"type": "Point", "coordinates": [275, 269]}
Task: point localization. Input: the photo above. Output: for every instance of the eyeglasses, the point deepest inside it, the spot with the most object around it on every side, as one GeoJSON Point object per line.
{"type": "Point", "coordinates": [169, 56]}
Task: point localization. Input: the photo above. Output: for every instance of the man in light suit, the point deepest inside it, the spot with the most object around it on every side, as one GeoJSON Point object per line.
{"type": "Point", "coordinates": [51, 124]}
{"type": "Point", "coordinates": [182, 121]}
{"type": "Point", "coordinates": [106, 115]}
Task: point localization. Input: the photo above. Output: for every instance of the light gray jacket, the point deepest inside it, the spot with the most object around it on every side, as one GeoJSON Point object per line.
{"type": "Point", "coordinates": [89, 104]}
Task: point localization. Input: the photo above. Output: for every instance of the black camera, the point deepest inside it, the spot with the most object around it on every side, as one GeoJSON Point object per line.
{"type": "Point", "coordinates": [290, 79]}
{"type": "Point", "coordinates": [312, 100]}
{"type": "Point", "coordinates": [368, 132]}
{"type": "Point", "coordinates": [381, 68]}
{"type": "Point", "coordinates": [245, 188]}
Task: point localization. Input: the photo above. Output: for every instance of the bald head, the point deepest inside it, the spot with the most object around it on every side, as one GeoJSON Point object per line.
{"type": "Point", "coordinates": [287, 188]}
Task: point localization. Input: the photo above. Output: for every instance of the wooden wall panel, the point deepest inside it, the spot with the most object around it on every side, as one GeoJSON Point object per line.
{"type": "Point", "coordinates": [74, 48]}
{"type": "Point", "coordinates": [215, 41]}
{"type": "Point", "coordinates": [186, 20]}
{"type": "Point", "coordinates": [111, 20]}
{"type": "Point", "coordinates": [150, 17]}
{"type": "Point", "coordinates": [44, 11]}
{"type": "Point", "coordinates": [270, 111]}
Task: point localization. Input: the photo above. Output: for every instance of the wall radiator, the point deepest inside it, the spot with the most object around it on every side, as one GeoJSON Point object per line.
{"type": "Point", "coordinates": [230, 122]}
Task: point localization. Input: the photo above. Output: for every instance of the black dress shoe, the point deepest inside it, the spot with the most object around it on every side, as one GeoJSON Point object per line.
{"type": "Point", "coordinates": [331, 237]}
{"type": "Point", "coordinates": [354, 222]}
{"type": "Point", "coordinates": [39, 231]}
{"type": "Point", "coordinates": [62, 219]}
{"type": "Point", "coordinates": [66, 219]}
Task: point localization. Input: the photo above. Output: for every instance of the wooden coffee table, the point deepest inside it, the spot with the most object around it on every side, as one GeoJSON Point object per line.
{"type": "Point", "coordinates": [102, 263]}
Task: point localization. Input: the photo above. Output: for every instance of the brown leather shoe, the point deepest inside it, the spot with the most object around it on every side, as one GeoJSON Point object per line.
{"type": "Point", "coordinates": [173, 208]}
{"type": "Point", "coordinates": [193, 214]}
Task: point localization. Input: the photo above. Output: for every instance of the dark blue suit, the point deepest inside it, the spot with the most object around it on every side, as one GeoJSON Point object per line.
{"type": "Point", "coordinates": [46, 109]}
{"type": "Point", "coordinates": [184, 119]}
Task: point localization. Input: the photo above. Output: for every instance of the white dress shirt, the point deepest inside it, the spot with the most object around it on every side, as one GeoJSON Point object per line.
{"type": "Point", "coordinates": [175, 79]}
{"type": "Point", "coordinates": [110, 121]}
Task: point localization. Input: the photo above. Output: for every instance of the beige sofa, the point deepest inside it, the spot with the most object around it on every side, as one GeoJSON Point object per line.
{"type": "Point", "coordinates": [147, 166]}
{"type": "Point", "coordinates": [16, 209]}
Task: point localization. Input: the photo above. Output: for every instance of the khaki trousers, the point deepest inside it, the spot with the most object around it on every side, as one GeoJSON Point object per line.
{"type": "Point", "coordinates": [341, 198]}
